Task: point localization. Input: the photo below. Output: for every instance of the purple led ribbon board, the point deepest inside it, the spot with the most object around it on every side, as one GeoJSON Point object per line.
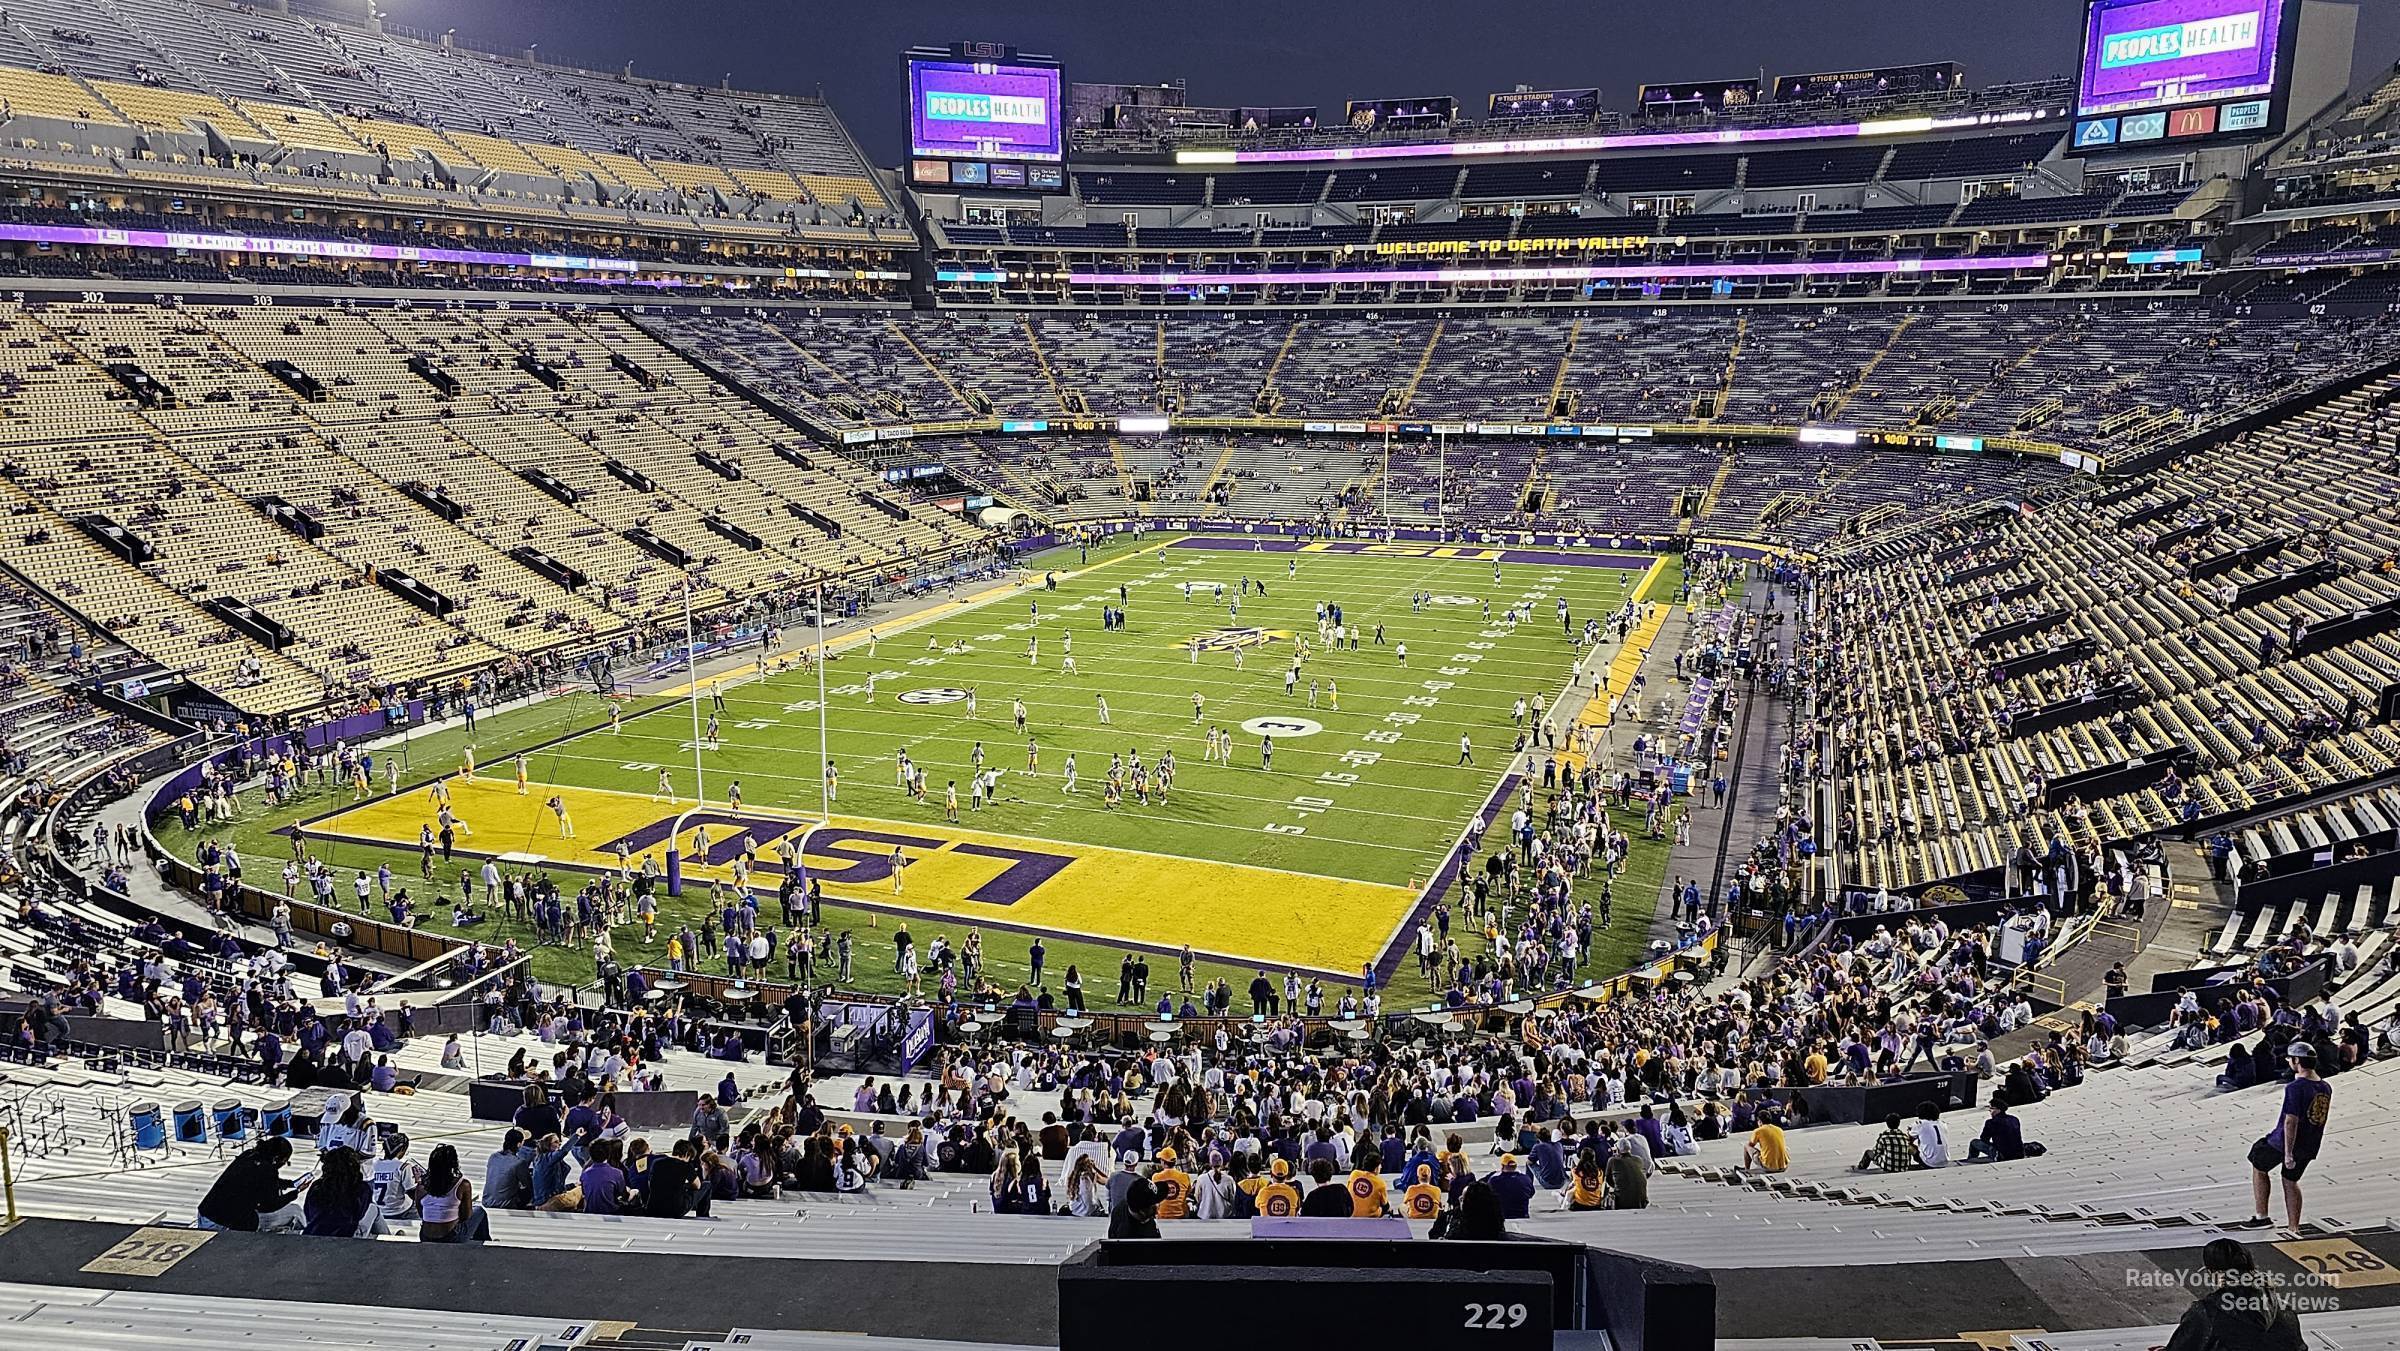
{"type": "Point", "coordinates": [1629, 272]}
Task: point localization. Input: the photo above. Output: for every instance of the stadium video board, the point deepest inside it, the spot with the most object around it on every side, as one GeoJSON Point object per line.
{"type": "Point", "coordinates": [983, 110]}
{"type": "Point", "coordinates": [2182, 69]}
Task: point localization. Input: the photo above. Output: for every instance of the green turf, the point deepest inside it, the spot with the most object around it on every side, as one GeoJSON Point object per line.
{"type": "Point", "coordinates": [1391, 823]}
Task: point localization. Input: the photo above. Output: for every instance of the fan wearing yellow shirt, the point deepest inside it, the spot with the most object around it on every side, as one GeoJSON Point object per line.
{"type": "Point", "coordinates": [1248, 1189]}
{"type": "Point", "coordinates": [1587, 1185]}
{"type": "Point", "coordinates": [1766, 1152]}
{"type": "Point", "coordinates": [1174, 1188]}
{"type": "Point", "coordinates": [1817, 1066]}
{"type": "Point", "coordinates": [1279, 1199]}
{"type": "Point", "coordinates": [1423, 1200]}
{"type": "Point", "coordinates": [1367, 1193]}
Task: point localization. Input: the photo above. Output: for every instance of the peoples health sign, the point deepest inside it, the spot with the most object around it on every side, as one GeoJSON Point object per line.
{"type": "Point", "coordinates": [940, 107]}
{"type": "Point", "coordinates": [2167, 53]}
{"type": "Point", "coordinates": [2234, 33]}
{"type": "Point", "coordinates": [984, 110]}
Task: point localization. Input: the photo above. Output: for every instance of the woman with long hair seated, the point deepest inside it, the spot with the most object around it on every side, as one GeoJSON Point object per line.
{"type": "Point", "coordinates": [340, 1202]}
{"type": "Point", "coordinates": [446, 1207]}
{"type": "Point", "coordinates": [1087, 1188]}
{"type": "Point", "coordinates": [1587, 1186]}
{"type": "Point", "coordinates": [1476, 1216]}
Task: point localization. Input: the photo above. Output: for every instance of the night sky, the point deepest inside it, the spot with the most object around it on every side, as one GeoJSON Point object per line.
{"type": "Point", "coordinates": [1320, 52]}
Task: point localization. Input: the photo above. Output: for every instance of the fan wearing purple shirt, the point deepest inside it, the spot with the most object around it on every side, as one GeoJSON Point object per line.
{"type": "Point", "coordinates": [602, 1181]}
{"type": "Point", "coordinates": [2299, 1132]}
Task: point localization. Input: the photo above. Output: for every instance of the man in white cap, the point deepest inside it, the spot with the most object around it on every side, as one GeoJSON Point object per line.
{"type": "Point", "coordinates": [1119, 1182]}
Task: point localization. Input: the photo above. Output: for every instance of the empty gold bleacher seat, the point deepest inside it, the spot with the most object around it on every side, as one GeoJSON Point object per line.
{"type": "Point", "coordinates": [299, 126]}
{"type": "Point", "coordinates": [33, 93]}
{"type": "Point", "coordinates": [568, 161]}
{"type": "Point", "coordinates": [774, 184]}
{"type": "Point", "coordinates": [401, 139]}
{"type": "Point", "coordinates": [174, 109]}
{"type": "Point", "coordinates": [632, 172]}
{"type": "Point", "coordinates": [695, 176]}
{"type": "Point", "coordinates": [508, 157]}
{"type": "Point", "coordinates": [837, 189]}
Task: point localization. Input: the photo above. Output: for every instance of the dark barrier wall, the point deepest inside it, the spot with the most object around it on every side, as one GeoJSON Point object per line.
{"type": "Point", "coordinates": [2315, 883]}
{"type": "Point", "coordinates": [499, 1099]}
{"type": "Point", "coordinates": [1650, 1305]}
{"type": "Point", "coordinates": [1322, 1291]}
{"type": "Point", "coordinates": [1433, 1295]}
{"type": "Point", "coordinates": [1963, 914]}
{"type": "Point", "coordinates": [1113, 1308]}
{"type": "Point", "coordinates": [141, 713]}
{"type": "Point", "coordinates": [2166, 991]}
{"type": "Point", "coordinates": [366, 935]}
{"type": "Point", "coordinates": [1857, 1104]}
{"type": "Point", "coordinates": [125, 1033]}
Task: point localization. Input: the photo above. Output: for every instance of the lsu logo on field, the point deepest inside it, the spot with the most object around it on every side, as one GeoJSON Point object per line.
{"type": "Point", "coordinates": [990, 874]}
{"type": "Point", "coordinates": [1226, 640]}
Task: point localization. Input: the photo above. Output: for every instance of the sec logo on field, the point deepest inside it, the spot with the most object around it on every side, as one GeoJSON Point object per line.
{"type": "Point", "coordinates": [939, 695]}
{"type": "Point", "coordinates": [1283, 727]}
{"type": "Point", "coordinates": [1454, 600]}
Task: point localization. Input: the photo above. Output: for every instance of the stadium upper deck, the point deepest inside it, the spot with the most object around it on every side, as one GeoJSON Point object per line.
{"type": "Point", "coordinates": [175, 115]}
{"type": "Point", "coordinates": [243, 100]}
{"type": "Point", "coordinates": [1189, 134]}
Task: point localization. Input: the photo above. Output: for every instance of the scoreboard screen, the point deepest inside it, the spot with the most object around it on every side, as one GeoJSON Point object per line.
{"type": "Point", "coordinates": [983, 110]}
{"type": "Point", "coordinates": [2140, 55]}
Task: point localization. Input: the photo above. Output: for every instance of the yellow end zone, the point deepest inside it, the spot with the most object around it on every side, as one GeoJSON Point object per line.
{"type": "Point", "coordinates": [1234, 911]}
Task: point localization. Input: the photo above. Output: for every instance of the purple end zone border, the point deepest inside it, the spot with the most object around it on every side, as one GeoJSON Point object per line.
{"type": "Point", "coordinates": [1388, 965]}
{"type": "Point", "coordinates": [1508, 553]}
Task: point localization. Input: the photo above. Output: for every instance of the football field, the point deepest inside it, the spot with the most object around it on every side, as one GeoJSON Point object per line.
{"type": "Point", "coordinates": [1314, 854]}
